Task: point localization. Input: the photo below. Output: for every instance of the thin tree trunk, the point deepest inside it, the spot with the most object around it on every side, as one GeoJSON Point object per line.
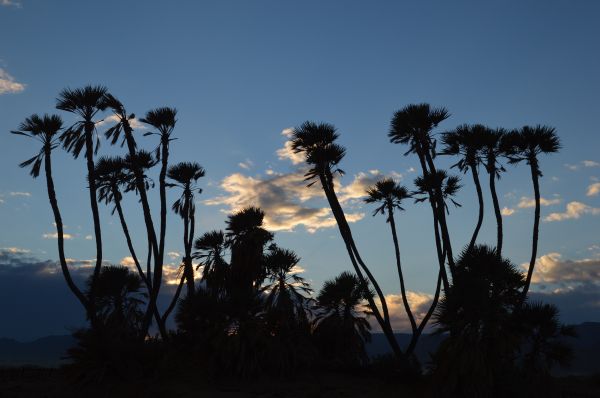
{"type": "Point", "coordinates": [480, 199]}
{"type": "Point", "coordinates": [409, 313]}
{"type": "Point", "coordinates": [346, 236]}
{"type": "Point", "coordinates": [188, 270]}
{"type": "Point", "coordinates": [89, 155]}
{"type": "Point", "coordinates": [60, 233]}
{"type": "Point", "coordinates": [173, 300]}
{"type": "Point", "coordinates": [497, 212]}
{"type": "Point", "coordinates": [415, 337]}
{"type": "Point", "coordinates": [536, 227]}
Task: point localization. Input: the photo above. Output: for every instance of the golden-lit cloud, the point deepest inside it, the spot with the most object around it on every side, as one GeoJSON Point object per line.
{"type": "Point", "coordinates": [593, 189]}
{"type": "Point", "coordinates": [419, 304]}
{"type": "Point", "coordinates": [284, 199]}
{"type": "Point", "coordinates": [574, 210]}
{"type": "Point", "coordinates": [286, 153]}
{"type": "Point", "coordinates": [551, 268]}
{"type": "Point", "coordinates": [109, 121]}
{"type": "Point", "coordinates": [526, 202]}
{"type": "Point", "coordinates": [8, 84]}
{"type": "Point", "coordinates": [507, 211]}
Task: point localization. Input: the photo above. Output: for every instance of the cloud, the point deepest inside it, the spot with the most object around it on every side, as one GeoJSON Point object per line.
{"type": "Point", "coordinates": [128, 262]}
{"type": "Point", "coordinates": [362, 181]}
{"type": "Point", "coordinates": [593, 189]}
{"type": "Point", "coordinates": [574, 210]}
{"type": "Point", "coordinates": [551, 268]}
{"type": "Point", "coordinates": [134, 123]}
{"type": "Point", "coordinates": [54, 235]}
{"type": "Point", "coordinates": [13, 3]}
{"type": "Point", "coordinates": [584, 163]}
{"type": "Point", "coordinates": [526, 202]}
{"type": "Point", "coordinates": [286, 153]}
{"type": "Point", "coordinates": [89, 237]}
{"type": "Point", "coordinates": [506, 211]}
{"type": "Point", "coordinates": [419, 304]}
{"type": "Point", "coordinates": [14, 250]}
{"type": "Point", "coordinates": [246, 165]}
{"type": "Point", "coordinates": [26, 194]}
{"type": "Point", "coordinates": [174, 255]}
{"type": "Point", "coordinates": [284, 199]}
{"type": "Point", "coordinates": [8, 84]}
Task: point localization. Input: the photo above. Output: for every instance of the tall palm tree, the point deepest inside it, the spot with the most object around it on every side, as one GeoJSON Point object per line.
{"type": "Point", "coordinates": [413, 126]}
{"type": "Point", "coordinates": [45, 129]}
{"type": "Point", "coordinates": [526, 145]}
{"type": "Point", "coordinates": [465, 142]}
{"type": "Point", "coordinates": [286, 291]}
{"type": "Point", "coordinates": [494, 147]}
{"type": "Point", "coordinates": [317, 142]}
{"type": "Point", "coordinates": [142, 161]}
{"type": "Point", "coordinates": [342, 327]}
{"type": "Point", "coordinates": [185, 175]}
{"type": "Point", "coordinates": [390, 195]}
{"type": "Point", "coordinates": [86, 103]}
{"type": "Point", "coordinates": [163, 120]}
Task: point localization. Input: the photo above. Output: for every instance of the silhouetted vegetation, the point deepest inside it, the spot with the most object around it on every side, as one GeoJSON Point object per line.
{"type": "Point", "coordinates": [243, 310]}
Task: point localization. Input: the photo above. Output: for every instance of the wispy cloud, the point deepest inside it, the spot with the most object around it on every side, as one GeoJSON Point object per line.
{"type": "Point", "coordinates": [526, 202]}
{"type": "Point", "coordinates": [113, 119]}
{"type": "Point", "coordinates": [552, 268]}
{"type": "Point", "coordinates": [583, 163]}
{"type": "Point", "coordinates": [246, 165]}
{"type": "Point", "coordinates": [54, 235]}
{"type": "Point", "coordinates": [26, 194]}
{"type": "Point", "coordinates": [8, 84]}
{"type": "Point", "coordinates": [11, 3]}
{"type": "Point", "coordinates": [574, 210]}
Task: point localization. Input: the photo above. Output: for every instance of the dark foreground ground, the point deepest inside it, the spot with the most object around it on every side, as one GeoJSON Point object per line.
{"type": "Point", "coordinates": [51, 383]}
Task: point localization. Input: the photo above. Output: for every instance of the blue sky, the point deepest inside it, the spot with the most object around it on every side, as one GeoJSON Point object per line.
{"type": "Point", "coordinates": [241, 72]}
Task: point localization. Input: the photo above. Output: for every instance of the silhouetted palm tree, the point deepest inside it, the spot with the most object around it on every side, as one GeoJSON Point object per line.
{"type": "Point", "coordinates": [286, 292]}
{"type": "Point", "coordinates": [118, 295]}
{"type": "Point", "coordinates": [341, 327]}
{"type": "Point", "coordinates": [111, 174]}
{"type": "Point", "coordinates": [317, 142]}
{"type": "Point", "coordinates": [163, 120]}
{"type": "Point", "coordinates": [412, 126]}
{"type": "Point", "coordinates": [526, 145]}
{"type": "Point", "coordinates": [45, 129]}
{"type": "Point", "coordinates": [185, 175]}
{"type": "Point", "coordinates": [493, 148]}
{"type": "Point", "coordinates": [86, 103]}
{"type": "Point", "coordinates": [439, 184]}
{"type": "Point", "coordinates": [210, 251]}
{"type": "Point", "coordinates": [247, 240]}
{"type": "Point", "coordinates": [390, 195]}
{"type": "Point", "coordinates": [465, 141]}
{"type": "Point", "coordinates": [476, 313]}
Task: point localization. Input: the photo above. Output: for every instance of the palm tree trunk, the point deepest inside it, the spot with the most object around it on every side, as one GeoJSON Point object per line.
{"type": "Point", "coordinates": [480, 199]}
{"type": "Point", "coordinates": [89, 155]}
{"type": "Point", "coordinates": [173, 300]}
{"type": "Point", "coordinates": [137, 263]}
{"type": "Point", "coordinates": [536, 227]}
{"type": "Point", "coordinates": [188, 270]}
{"type": "Point", "coordinates": [60, 233]}
{"type": "Point", "coordinates": [346, 236]}
{"type": "Point", "coordinates": [415, 337]}
{"type": "Point", "coordinates": [409, 313]}
{"type": "Point", "coordinates": [497, 212]}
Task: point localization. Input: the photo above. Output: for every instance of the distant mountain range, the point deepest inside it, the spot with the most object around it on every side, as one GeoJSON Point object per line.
{"type": "Point", "coordinates": [49, 351]}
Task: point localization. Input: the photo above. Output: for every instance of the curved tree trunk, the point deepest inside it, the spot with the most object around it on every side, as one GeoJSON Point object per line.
{"type": "Point", "coordinates": [497, 211]}
{"type": "Point", "coordinates": [173, 300]}
{"type": "Point", "coordinates": [188, 270]}
{"type": "Point", "coordinates": [60, 234]}
{"type": "Point", "coordinates": [346, 236]}
{"type": "Point", "coordinates": [536, 227]}
{"type": "Point", "coordinates": [409, 313]}
{"type": "Point", "coordinates": [415, 337]}
{"type": "Point", "coordinates": [480, 199]}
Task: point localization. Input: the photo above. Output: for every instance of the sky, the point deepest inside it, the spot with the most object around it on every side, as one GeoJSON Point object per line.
{"type": "Point", "coordinates": [243, 74]}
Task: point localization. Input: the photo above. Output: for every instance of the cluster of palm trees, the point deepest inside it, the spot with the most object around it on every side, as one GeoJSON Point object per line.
{"type": "Point", "coordinates": [248, 289]}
